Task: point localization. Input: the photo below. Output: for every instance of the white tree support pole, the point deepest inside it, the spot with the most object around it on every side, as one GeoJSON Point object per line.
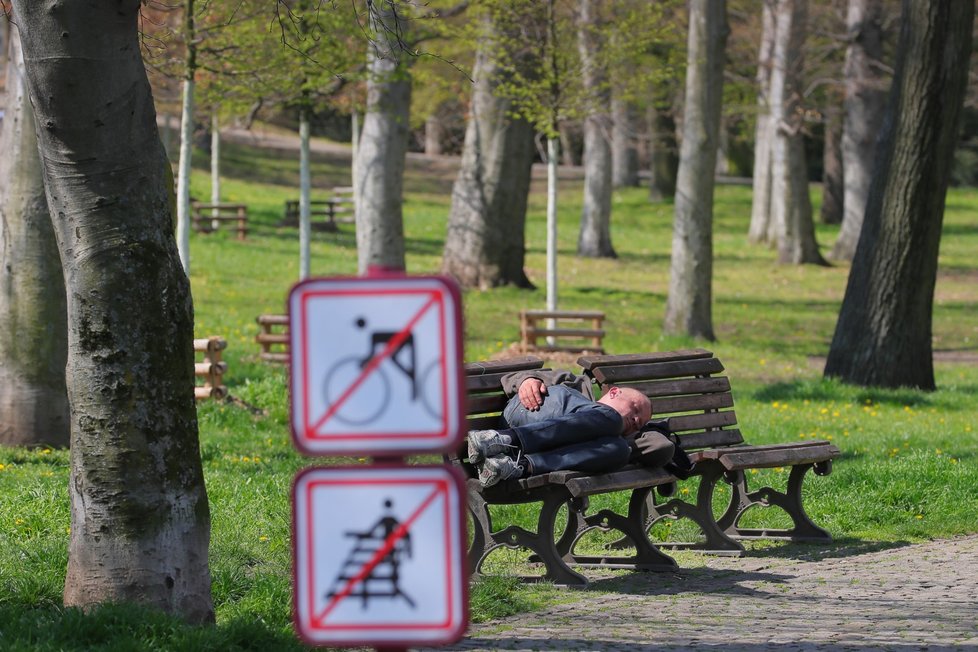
{"type": "Point", "coordinates": [552, 153]}
{"type": "Point", "coordinates": [215, 166]}
{"type": "Point", "coordinates": [304, 188]}
{"type": "Point", "coordinates": [354, 147]}
{"type": "Point", "coordinates": [183, 175]}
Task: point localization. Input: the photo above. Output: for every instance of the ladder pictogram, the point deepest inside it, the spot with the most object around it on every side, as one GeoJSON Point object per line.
{"type": "Point", "coordinates": [383, 579]}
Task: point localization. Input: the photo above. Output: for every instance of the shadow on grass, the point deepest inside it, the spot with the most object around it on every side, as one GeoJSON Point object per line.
{"type": "Point", "coordinates": [836, 549]}
{"type": "Point", "coordinates": [128, 627]}
{"type": "Point", "coordinates": [825, 390]}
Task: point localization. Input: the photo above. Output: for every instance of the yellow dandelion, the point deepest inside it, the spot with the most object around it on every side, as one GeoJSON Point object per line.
{"type": "Point", "coordinates": [753, 471]}
{"type": "Point", "coordinates": [774, 404]}
{"type": "Point", "coordinates": [919, 516]}
{"type": "Point", "coordinates": [823, 411]}
{"type": "Point", "coordinates": [684, 491]}
{"type": "Point", "coordinates": [19, 521]}
{"type": "Point", "coordinates": [779, 469]}
{"type": "Point", "coordinates": [802, 435]}
{"type": "Point", "coordinates": [835, 414]}
{"type": "Point", "coordinates": [2, 467]}
{"type": "Point", "coordinates": [762, 362]}
{"type": "Point", "coordinates": [829, 437]}
{"type": "Point", "coordinates": [937, 451]}
{"type": "Point", "coordinates": [263, 538]}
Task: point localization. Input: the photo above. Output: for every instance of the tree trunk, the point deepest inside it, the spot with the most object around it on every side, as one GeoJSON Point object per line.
{"type": "Point", "coordinates": [791, 204]}
{"type": "Point", "coordinates": [305, 192]}
{"type": "Point", "coordinates": [382, 148]}
{"type": "Point", "coordinates": [832, 179]}
{"type": "Point", "coordinates": [139, 515]}
{"type": "Point", "coordinates": [863, 112]}
{"type": "Point", "coordinates": [883, 336]}
{"type": "Point", "coordinates": [663, 153]}
{"type": "Point", "coordinates": [594, 239]}
{"type": "Point", "coordinates": [485, 245]}
{"type": "Point", "coordinates": [569, 137]}
{"type": "Point", "coordinates": [434, 135]}
{"type": "Point", "coordinates": [624, 152]}
{"type": "Point", "coordinates": [760, 211]}
{"type": "Point", "coordinates": [689, 306]}
{"type": "Point", "coordinates": [33, 319]}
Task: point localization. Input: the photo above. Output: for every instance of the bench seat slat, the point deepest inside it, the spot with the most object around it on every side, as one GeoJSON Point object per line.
{"type": "Point", "coordinates": [751, 459]}
{"type": "Point", "coordinates": [503, 366]}
{"type": "Point", "coordinates": [564, 314]}
{"type": "Point", "coordinates": [654, 370]}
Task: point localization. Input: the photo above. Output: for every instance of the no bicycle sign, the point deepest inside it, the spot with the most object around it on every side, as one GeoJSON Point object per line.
{"type": "Point", "coordinates": [376, 365]}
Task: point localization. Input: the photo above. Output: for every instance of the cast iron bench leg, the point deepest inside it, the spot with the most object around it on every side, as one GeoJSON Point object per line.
{"type": "Point", "coordinates": [540, 543]}
{"type": "Point", "coordinates": [717, 541]}
{"type": "Point", "coordinates": [790, 501]}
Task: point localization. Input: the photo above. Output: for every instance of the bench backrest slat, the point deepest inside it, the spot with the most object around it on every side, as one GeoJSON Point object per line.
{"type": "Point", "coordinates": [592, 362]}
{"type": "Point", "coordinates": [690, 403]}
{"type": "Point", "coordinates": [681, 387]}
{"type": "Point", "coordinates": [656, 370]}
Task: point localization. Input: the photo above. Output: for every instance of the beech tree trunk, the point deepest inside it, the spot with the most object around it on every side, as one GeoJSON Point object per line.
{"type": "Point", "coordinates": [594, 239]}
{"type": "Point", "coordinates": [760, 229]}
{"type": "Point", "coordinates": [382, 148]}
{"type": "Point", "coordinates": [883, 336]}
{"type": "Point", "coordinates": [624, 152]}
{"type": "Point", "coordinates": [689, 305]}
{"type": "Point", "coordinates": [139, 513]}
{"type": "Point", "coordinates": [833, 192]}
{"type": "Point", "coordinates": [791, 204]}
{"type": "Point", "coordinates": [434, 135]}
{"type": "Point", "coordinates": [863, 113]}
{"type": "Point", "coordinates": [663, 153]}
{"type": "Point", "coordinates": [485, 243]}
{"type": "Point", "coordinates": [33, 318]}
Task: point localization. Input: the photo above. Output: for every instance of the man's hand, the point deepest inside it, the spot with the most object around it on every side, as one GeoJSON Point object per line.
{"type": "Point", "coordinates": [531, 393]}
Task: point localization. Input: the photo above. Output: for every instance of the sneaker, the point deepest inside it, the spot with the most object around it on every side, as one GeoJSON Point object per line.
{"type": "Point", "coordinates": [498, 468]}
{"type": "Point", "coordinates": [484, 444]}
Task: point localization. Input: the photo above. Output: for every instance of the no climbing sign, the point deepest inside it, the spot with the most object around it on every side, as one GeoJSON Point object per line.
{"type": "Point", "coordinates": [379, 555]}
{"type": "Point", "coordinates": [376, 365]}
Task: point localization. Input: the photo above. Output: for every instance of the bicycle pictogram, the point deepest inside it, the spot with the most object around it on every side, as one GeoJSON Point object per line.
{"type": "Point", "coordinates": [358, 387]}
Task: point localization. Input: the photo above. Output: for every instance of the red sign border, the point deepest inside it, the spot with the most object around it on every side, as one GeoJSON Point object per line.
{"type": "Point", "coordinates": [452, 635]}
{"type": "Point", "coordinates": [386, 443]}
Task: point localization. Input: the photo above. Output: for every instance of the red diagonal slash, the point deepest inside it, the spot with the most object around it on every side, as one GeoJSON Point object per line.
{"type": "Point", "coordinates": [389, 544]}
{"type": "Point", "coordinates": [392, 345]}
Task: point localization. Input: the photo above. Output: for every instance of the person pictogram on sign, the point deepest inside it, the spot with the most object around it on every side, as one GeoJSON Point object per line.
{"type": "Point", "coordinates": [382, 580]}
{"type": "Point", "coordinates": [381, 338]}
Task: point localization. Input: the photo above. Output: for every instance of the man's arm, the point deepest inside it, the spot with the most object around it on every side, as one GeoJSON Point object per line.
{"type": "Point", "coordinates": [531, 393]}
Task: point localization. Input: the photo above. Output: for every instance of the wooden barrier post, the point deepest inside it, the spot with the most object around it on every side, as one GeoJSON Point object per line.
{"type": "Point", "coordinates": [212, 369]}
{"type": "Point", "coordinates": [268, 337]}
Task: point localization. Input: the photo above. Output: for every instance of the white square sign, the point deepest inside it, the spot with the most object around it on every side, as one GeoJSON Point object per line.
{"type": "Point", "coordinates": [376, 365]}
{"type": "Point", "coordinates": [379, 555]}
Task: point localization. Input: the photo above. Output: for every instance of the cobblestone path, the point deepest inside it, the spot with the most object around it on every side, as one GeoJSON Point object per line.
{"type": "Point", "coordinates": [900, 597]}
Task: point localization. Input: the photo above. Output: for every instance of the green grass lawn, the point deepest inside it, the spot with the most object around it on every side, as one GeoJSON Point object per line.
{"type": "Point", "coordinates": [907, 473]}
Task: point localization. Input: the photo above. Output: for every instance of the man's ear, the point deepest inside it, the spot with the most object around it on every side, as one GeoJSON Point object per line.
{"type": "Point", "coordinates": [613, 391]}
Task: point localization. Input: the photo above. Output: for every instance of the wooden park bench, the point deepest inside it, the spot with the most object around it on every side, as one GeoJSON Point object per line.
{"type": "Point", "coordinates": [555, 550]}
{"type": "Point", "coordinates": [332, 208]}
{"type": "Point", "coordinates": [583, 333]}
{"type": "Point", "coordinates": [685, 388]}
{"type": "Point", "coordinates": [211, 369]}
{"type": "Point", "coordinates": [206, 218]}
{"type": "Point", "coordinates": [273, 337]}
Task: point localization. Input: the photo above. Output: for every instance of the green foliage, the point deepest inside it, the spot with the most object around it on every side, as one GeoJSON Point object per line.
{"type": "Point", "coordinates": [907, 472]}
